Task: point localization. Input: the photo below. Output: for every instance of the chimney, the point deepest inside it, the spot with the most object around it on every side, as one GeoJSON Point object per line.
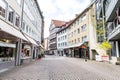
{"type": "Point", "coordinates": [76, 15]}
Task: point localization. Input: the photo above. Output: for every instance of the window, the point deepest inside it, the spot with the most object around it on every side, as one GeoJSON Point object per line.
{"type": "Point", "coordinates": [107, 2]}
{"type": "Point", "coordinates": [11, 15]}
{"type": "Point", "coordinates": [75, 41]}
{"type": "Point", "coordinates": [83, 17]}
{"type": "Point", "coordinates": [78, 39]}
{"type": "Point", "coordinates": [3, 7]}
{"type": "Point", "coordinates": [27, 28]}
{"type": "Point", "coordinates": [65, 43]}
{"type": "Point", "coordinates": [59, 45]}
{"type": "Point", "coordinates": [6, 54]}
{"type": "Point", "coordinates": [72, 41]}
{"type": "Point", "coordinates": [84, 38]}
{"type": "Point", "coordinates": [17, 21]}
{"type": "Point", "coordinates": [65, 30]}
{"type": "Point", "coordinates": [58, 39]}
{"type": "Point", "coordinates": [75, 32]}
{"type": "Point", "coordinates": [23, 26]}
{"type": "Point", "coordinates": [78, 22]}
{"type": "Point", "coordinates": [72, 34]}
{"type": "Point", "coordinates": [100, 38]}
{"type": "Point", "coordinates": [65, 36]}
{"type": "Point", "coordinates": [83, 27]}
{"type": "Point", "coordinates": [28, 13]}
{"type": "Point", "coordinates": [78, 30]}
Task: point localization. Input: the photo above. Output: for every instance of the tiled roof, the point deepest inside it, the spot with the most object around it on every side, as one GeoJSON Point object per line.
{"type": "Point", "coordinates": [65, 25]}
{"type": "Point", "coordinates": [58, 23]}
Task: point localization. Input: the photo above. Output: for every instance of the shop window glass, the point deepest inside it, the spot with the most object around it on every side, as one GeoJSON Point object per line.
{"type": "Point", "coordinates": [3, 7]}
{"type": "Point", "coordinates": [6, 54]}
{"type": "Point", "coordinates": [113, 50]}
{"type": "Point", "coordinates": [11, 15]}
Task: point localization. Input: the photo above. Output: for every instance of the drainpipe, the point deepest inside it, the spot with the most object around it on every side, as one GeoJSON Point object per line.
{"type": "Point", "coordinates": [19, 43]}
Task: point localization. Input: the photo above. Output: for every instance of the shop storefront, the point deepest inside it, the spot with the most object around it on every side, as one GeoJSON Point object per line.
{"type": "Point", "coordinates": [7, 55]}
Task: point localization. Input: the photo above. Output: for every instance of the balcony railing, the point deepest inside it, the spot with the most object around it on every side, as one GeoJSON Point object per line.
{"type": "Point", "coordinates": [113, 27]}
{"type": "Point", "coordinates": [110, 7]}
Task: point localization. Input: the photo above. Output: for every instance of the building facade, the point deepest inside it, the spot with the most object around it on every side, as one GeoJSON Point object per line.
{"type": "Point", "coordinates": [62, 40]}
{"type": "Point", "coordinates": [82, 34]}
{"type": "Point", "coordinates": [112, 13]}
{"type": "Point", "coordinates": [108, 18]}
{"type": "Point", "coordinates": [54, 27]}
{"type": "Point", "coordinates": [21, 26]}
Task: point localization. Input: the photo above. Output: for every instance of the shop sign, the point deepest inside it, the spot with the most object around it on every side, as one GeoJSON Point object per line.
{"type": "Point", "coordinates": [102, 57]}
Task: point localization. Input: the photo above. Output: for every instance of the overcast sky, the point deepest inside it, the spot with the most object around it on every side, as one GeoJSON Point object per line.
{"type": "Point", "coordinates": [60, 10]}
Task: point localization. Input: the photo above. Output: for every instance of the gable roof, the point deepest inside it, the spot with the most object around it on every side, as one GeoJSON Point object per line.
{"type": "Point", "coordinates": [58, 23]}
{"type": "Point", "coordinates": [64, 26]}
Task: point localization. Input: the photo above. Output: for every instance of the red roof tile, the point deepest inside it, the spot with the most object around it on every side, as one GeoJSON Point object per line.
{"type": "Point", "coordinates": [58, 23]}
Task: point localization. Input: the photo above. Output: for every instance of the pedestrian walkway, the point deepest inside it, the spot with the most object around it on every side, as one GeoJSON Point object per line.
{"type": "Point", "coordinates": [63, 68]}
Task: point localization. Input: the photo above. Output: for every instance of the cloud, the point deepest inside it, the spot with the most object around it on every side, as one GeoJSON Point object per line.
{"type": "Point", "coordinates": [61, 10]}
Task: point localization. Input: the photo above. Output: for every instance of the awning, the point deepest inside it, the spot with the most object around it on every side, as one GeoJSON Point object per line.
{"type": "Point", "coordinates": [11, 30]}
{"type": "Point", "coordinates": [41, 46]}
{"type": "Point", "coordinates": [3, 44]}
{"type": "Point", "coordinates": [31, 40]}
{"type": "Point", "coordinates": [75, 45]}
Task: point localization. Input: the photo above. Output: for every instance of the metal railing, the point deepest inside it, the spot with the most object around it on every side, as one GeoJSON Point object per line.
{"type": "Point", "coordinates": [113, 26]}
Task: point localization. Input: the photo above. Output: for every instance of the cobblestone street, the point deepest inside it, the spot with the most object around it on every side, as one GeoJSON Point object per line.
{"type": "Point", "coordinates": [63, 68]}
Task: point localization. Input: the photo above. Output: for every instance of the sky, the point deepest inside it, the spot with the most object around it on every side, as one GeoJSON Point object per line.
{"type": "Point", "coordinates": [64, 10]}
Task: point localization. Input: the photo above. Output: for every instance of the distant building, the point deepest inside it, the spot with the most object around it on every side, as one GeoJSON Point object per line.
{"type": "Point", "coordinates": [46, 43]}
{"type": "Point", "coordinates": [62, 39]}
{"type": "Point", "coordinates": [54, 27]}
{"type": "Point", "coordinates": [82, 34]}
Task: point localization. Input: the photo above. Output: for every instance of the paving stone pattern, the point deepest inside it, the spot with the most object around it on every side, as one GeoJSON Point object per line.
{"type": "Point", "coordinates": [63, 68]}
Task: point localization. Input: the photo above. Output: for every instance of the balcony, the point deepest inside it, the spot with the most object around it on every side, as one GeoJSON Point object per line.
{"type": "Point", "coordinates": [111, 8]}
{"type": "Point", "coordinates": [114, 29]}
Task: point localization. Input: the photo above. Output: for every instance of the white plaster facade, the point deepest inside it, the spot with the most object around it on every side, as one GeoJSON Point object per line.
{"type": "Point", "coordinates": [62, 41]}
{"type": "Point", "coordinates": [21, 24]}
